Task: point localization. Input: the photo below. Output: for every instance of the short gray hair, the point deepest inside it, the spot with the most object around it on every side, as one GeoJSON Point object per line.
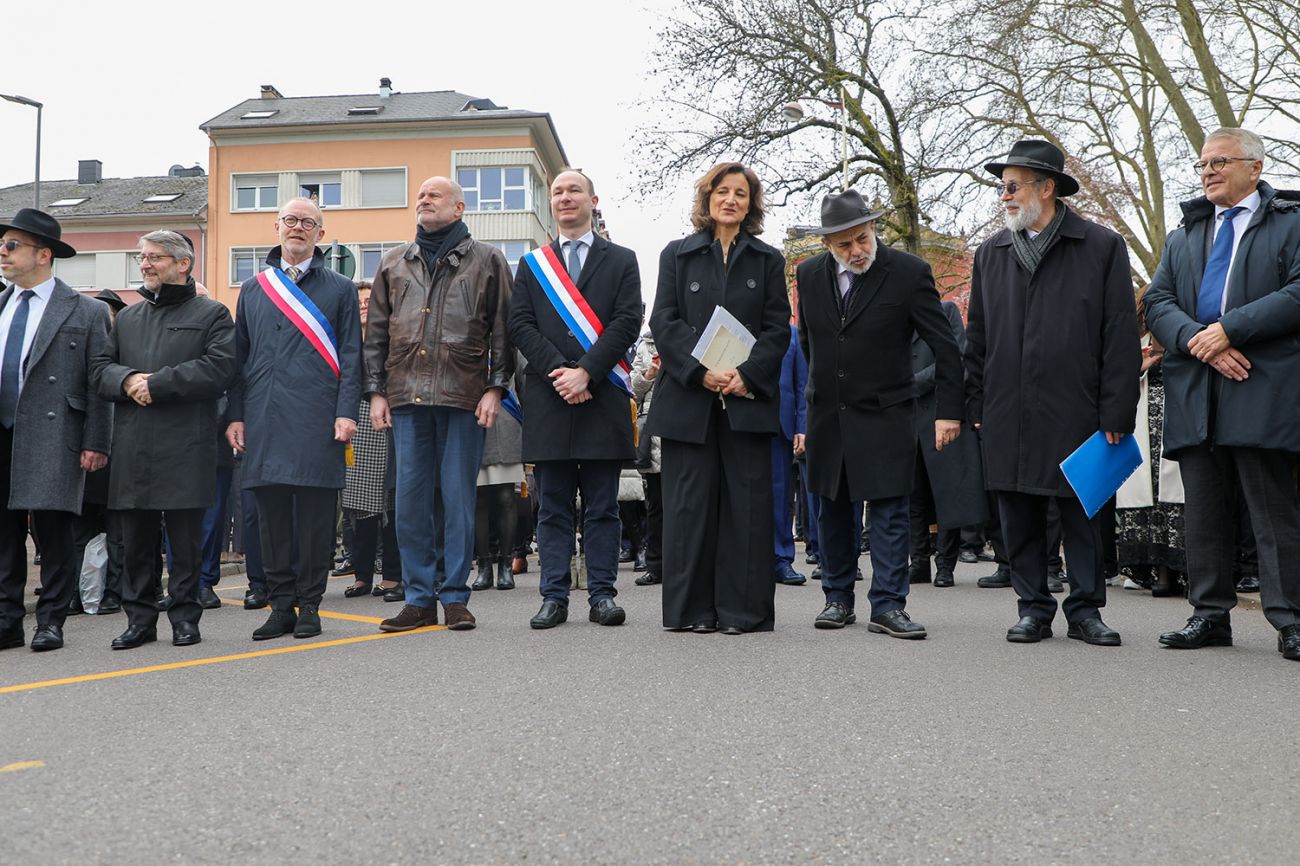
{"type": "Point", "coordinates": [320, 214]}
{"type": "Point", "coordinates": [173, 243]}
{"type": "Point", "coordinates": [1252, 146]}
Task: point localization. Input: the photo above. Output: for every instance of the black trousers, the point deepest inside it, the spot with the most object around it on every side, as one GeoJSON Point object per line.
{"type": "Point", "coordinates": [1268, 483]}
{"type": "Point", "coordinates": [921, 512]}
{"type": "Point", "coordinates": [654, 523]}
{"type": "Point", "coordinates": [718, 557]}
{"type": "Point", "coordinates": [59, 573]}
{"type": "Point", "coordinates": [1024, 531]}
{"type": "Point", "coordinates": [305, 515]}
{"type": "Point", "coordinates": [366, 532]}
{"type": "Point", "coordinates": [141, 533]}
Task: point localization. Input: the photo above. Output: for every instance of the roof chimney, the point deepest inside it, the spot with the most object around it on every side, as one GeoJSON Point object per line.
{"type": "Point", "coordinates": [269, 92]}
{"type": "Point", "coordinates": [385, 88]}
{"type": "Point", "coordinates": [89, 171]}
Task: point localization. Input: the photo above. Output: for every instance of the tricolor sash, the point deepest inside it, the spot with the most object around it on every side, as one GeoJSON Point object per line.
{"type": "Point", "coordinates": [573, 308]}
{"type": "Point", "coordinates": [304, 314]}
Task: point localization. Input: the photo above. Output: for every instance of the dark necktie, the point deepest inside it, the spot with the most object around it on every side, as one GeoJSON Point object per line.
{"type": "Point", "coordinates": [292, 272]}
{"type": "Point", "coordinates": [1209, 303]}
{"type": "Point", "coordinates": [13, 361]}
{"type": "Point", "coordinates": [575, 263]}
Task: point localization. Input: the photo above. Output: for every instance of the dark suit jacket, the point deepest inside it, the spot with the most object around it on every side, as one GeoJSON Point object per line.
{"type": "Point", "coordinates": [692, 282]}
{"type": "Point", "coordinates": [794, 378]}
{"type": "Point", "coordinates": [601, 428]}
{"type": "Point", "coordinates": [860, 406]}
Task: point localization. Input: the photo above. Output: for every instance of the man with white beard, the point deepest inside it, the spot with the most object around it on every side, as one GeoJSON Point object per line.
{"type": "Point", "coordinates": [859, 305]}
{"type": "Point", "coordinates": [1052, 357]}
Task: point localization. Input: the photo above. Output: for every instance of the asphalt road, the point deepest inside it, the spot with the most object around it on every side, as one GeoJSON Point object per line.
{"type": "Point", "coordinates": [590, 745]}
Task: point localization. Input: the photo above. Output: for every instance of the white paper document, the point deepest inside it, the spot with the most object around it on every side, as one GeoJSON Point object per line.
{"type": "Point", "coordinates": [725, 343]}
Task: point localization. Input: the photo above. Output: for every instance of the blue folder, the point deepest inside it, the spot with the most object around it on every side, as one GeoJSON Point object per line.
{"type": "Point", "coordinates": [1097, 469]}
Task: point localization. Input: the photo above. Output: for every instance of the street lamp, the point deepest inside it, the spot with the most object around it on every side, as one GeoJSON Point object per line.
{"type": "Point", "coordinates": [23, 100]}
{"type": "Point", "coordinates": [793, 112]}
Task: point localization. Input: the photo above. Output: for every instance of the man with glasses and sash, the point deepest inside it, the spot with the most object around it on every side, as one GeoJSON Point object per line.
{"type": "Point", "coordinates": [293, 410]}
{"type": "Point", "coordinates": [1052, 358]}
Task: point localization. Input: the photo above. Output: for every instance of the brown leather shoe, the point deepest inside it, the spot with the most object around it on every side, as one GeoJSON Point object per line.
{"type": "Point", "coordinates": [458, 617]}
{"type": "Point", "coordinates": [411, 617]}
{"type": "Point", "coordinates": [519, 565]}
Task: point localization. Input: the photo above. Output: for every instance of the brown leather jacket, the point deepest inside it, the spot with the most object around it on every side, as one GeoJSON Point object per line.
{"type": "Point", "coordinates": [429, 342]}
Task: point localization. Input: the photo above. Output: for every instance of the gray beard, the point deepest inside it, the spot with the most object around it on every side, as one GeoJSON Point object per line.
{"type": "Point", "coordinates": [1028, 215]}
{"type": "Point", "coordinates": [855, 270]}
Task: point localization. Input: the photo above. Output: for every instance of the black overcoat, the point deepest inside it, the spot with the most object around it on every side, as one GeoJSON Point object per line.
{"type": "Point", "coordinates": [1052, 358]}
{"type": "Point", "coordinates": [165, 454]}
{"type": "Point", "coordinates": [1262, 319]}
{"type": "Point", "coordinates": [956, 477]}
{"type": "Point", "coordinates": [285, 393]}
{"type": "Point", "coordinates": [693, 281]}
{"type": "Point", "coordinates": [601, 428]}
{"type": "Point", "coordinates": [861, 413]}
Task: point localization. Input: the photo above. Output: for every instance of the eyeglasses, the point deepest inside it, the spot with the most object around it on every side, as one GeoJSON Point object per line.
{"type": "Point", "coordinates": [152, 258]}
{"type": "Point", "coordinates": [1012, 187]}
{"type": "Point", "coordinates": [13, 245]}
{"type": "Point", "coordinates": [293, 222]}
{"type": "Point", "coordinates": [1218, 164]}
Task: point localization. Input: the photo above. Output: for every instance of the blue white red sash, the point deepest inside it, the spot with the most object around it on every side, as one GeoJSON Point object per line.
{"type": "Point", "coordinates": [304, 315]}
{"type": "Point", "coordinates": [573, 308]}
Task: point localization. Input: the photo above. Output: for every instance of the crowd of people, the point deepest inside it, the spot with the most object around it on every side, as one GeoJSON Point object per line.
{"type": "Point", "coordinates": [448, 413]}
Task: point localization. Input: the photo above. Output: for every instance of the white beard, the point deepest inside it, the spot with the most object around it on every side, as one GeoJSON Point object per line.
{"type": "Point", "coordinates": [1026, 217]}
{"type": "Point", "coordinates": [858, 270]}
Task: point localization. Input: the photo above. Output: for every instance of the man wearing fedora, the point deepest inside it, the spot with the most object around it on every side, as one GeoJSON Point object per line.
{"type": "Point", "coordinates": [53, 427]}
{"type": "Point", "coordinates": [859, 304]}
{"type": "Point", "coordinates": [1052, 356]}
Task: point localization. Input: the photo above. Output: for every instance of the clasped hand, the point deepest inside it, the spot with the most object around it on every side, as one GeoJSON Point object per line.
{"type": "Point", "coordinates": [1211, 346]}
{"type": "Point", "coordinates": [573, 384]}
{"type": "Point", "coordinates": [136, 387]}
{"type": "Point", "coordinates": [725, 382]}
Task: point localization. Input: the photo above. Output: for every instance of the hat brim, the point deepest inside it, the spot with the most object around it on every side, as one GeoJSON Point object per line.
{"type": "Point", "coordinates": [59, 248]}
{"type": "Point", "coordinates": [1065, 185]}
{"type": "Point", "coordinates": [856, 221]}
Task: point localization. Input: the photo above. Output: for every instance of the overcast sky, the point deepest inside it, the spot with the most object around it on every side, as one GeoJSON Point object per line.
{"type": "Point", "coordinates": [129, 84]}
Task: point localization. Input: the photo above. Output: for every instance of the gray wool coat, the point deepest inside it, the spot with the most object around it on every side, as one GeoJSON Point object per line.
{"type": "Point", "coordinates": [59, 413]}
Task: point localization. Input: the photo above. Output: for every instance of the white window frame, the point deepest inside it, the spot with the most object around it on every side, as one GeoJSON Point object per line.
{"type": "Point", "coordinates": [525, 187]}
{"type": "Point", "coordinates": [259, 255]}
{"type": "Point", "coordinates": [382, 247]}
{"type": "Point", "coordinates": [257, 188]}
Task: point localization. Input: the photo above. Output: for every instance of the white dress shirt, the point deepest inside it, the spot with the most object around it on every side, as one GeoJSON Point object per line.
{"type": "Point", "coordinates": [1249, 204]}
{"type": "Point", "coordinates": [35, 309]}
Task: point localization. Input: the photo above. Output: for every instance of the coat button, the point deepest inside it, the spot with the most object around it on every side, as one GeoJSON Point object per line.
{"type": "Point", "coordinates": [695, 287]}
{"type": "Point", "coordinates": [841, 338]}
{"type": "Point", "coordinates": [417, 399]}
{"type": "Point", "coordinates": [843, 407]}
{"type": "Point", "coordinates": [424, 351]}
{"type": "Point", "coordinates": [427, 310]}
{"type": "Point", "coordinates": [49, 415]}
{"type": "Point", "coordinates": [570, 333]}
{"type": "Point", "coordinates": [841, 374]}
{"type": "Point", "coordinates": [52, 380]}
{"type": "Point", "coordinates": [72, 345]}
{"type": "Point", "coordinates": [751, 283]}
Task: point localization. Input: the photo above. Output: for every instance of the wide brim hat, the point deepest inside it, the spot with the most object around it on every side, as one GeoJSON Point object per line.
{"type": "Point", "coordinates": [844, 211]}
{"type": "Point", "coordinates": [112, 298]}
{"type": "Point", "coordinates": [42, 225]}
{"type": "Point", "coordinates": [1040, 156]}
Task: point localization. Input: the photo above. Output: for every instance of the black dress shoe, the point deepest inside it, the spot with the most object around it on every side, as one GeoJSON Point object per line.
{"type": "Point", "coordinates": [208, 598]}
{"type": "Point", "coordinates": [164, 602]}
{"type": "Point", "coordinates": [896, 623]}
{"type": "Point", "coordinates": [1199, 632]}
{"type": "Point", "coordinates": [706, 626]}
{"type": "Point", "coordinates": [280, 622]}
{"type": "Point", "coordinates": [835, 615]}
{"type": "Point", "coordinates": [135, 636]}
{"type": "Point", "coordinates": [943, 577]}
{"type": "Point", "coordinates": [358, 590]}
{"type": "Point", "coordinates": [308, 624]}
{"type": "Point", "coordinates": [639, 563]}
{"type": "Point", "coordinates": [732, 630]}
{"type": "Point", "coordinates": [484, 579]}
{"type": "Point", "coordinates": [1248, 583]}
{"type": "Point", "coordinates": [811, 559]}
{"type": "Point", "coordinates": [47, 637]}
{"type": "Point", "coordinates": [919, 572]}
{"type": "Point", "coordinates": [626, 555]}
{"type": "Point", "coordinates": [1288, 642]}
{"type": "Point", "coordinates": [787, 576]}
{"type": "Point", "coordinates": [551, 614]}
{"type": "Point", "coordinates": [816, 573]}
{"type": "Point", "coordinates": [344, 568]}
{"type": "Point", "coordinates": [1092, 630]}
{"type": "Point", "coordinates": [254, 600]}
{"type": "Point", "coordinates": [1054, 582]}
{"type": "Point", "coordinates": [997, 580]}
{"type": "Point", "coordinates": [12, 639]}
{"type": "Point", "coordinates": [110, 604]}
{"type": "Point", "coordinates": [185, 634]}
{"type": "Point", "coordinates": [605, 612]}
{"type": "Point", "coordinates": [648, 579]}
{"type": "Point", "coordinates": [395, 593]}
{"type": "Point", "coordinates": [75, 608]}
{"type": "Point", "coordinates": [1029, 630]}
{"type": "Point", "coordinates": [968, 556]}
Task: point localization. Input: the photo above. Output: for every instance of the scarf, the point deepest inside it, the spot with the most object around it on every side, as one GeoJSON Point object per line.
{"type": "Point", "coordinates": [434, 245]}
{"type": "Point", "coordinates": [1032, 251]}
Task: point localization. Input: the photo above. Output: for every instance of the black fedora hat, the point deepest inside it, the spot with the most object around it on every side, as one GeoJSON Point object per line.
{"type": "Point", "coordinates": [1040, 156]}
{"type": "Point", "coordinates": [42, 225]}
{"type": "Point", "coordinates": [844, 211]}
{"type": "Point", "coordinates": [112, 298]}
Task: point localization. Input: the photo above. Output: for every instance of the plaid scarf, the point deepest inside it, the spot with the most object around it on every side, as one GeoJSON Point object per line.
{"type": "Point", "coordinates": [1032, 251]}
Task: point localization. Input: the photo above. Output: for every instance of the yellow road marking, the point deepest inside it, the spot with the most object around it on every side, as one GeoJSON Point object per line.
{"type": "Point", "coordinates": [325, 614]}
{"type": "Point", "coordinates": [22, 765]}
{"type": "Point", "coordinates": [108, 675]}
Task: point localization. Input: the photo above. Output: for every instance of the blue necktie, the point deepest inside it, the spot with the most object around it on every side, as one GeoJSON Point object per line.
{"type": "Point", "coordinates": [575, 263]}
{"type": "Point", "coordinates": [13, 361]}
{"type": "Point", "coordinates": [1210, 301]}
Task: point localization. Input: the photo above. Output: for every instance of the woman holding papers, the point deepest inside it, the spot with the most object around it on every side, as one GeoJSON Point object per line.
{"type": "Point", "coordinates": [715, 408]}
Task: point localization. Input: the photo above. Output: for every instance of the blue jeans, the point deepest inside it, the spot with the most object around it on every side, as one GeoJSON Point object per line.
{"type": "Point", "coordinates": [438, 453]}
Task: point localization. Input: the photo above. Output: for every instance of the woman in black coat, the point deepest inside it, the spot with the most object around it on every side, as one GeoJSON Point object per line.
{"type": "Point", "coordinates": [715, 426]}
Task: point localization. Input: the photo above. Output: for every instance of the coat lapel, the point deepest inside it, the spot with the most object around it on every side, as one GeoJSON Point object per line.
{"type": "Point", "coordinates": [1236, 288]}
{"type": "Point", "coordinates": [866, 291]}
{"type": "Point", "coordinates": [61, 304]}
{"type": "Point", "coordinates": [594, 257]}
